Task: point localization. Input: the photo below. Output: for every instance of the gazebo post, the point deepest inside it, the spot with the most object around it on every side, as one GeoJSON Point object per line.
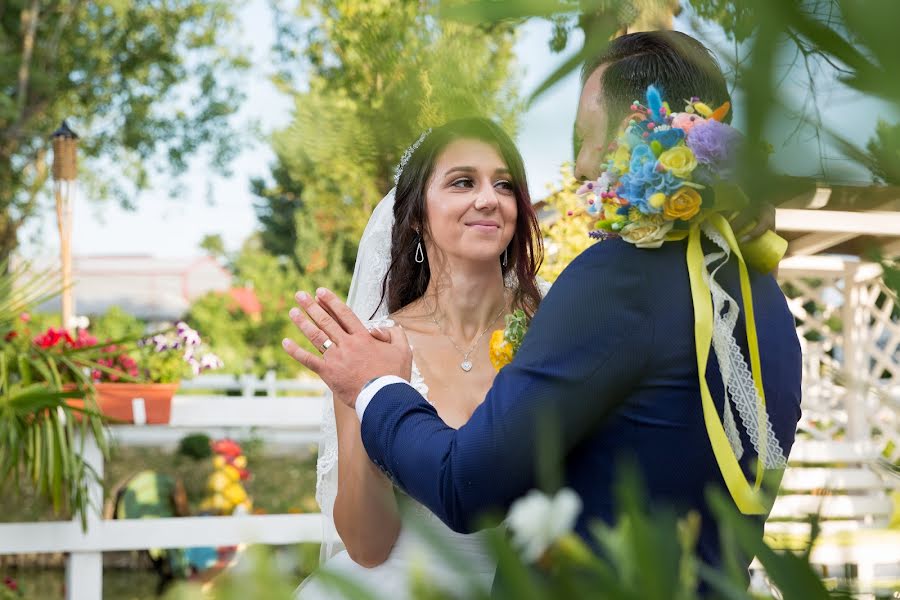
{"type": "Point", "coordinates": [854, 367]}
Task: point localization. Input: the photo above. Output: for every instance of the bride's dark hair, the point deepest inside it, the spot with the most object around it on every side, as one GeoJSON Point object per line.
{"type": "Point", "coordinates": [409, 279]}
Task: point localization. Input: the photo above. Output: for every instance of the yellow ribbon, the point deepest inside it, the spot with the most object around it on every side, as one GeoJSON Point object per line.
{"type": "Point", "coordinates": [747, 498]}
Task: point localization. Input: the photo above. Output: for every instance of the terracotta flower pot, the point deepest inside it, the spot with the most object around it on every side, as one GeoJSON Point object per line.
{"type": "Point", "coordinates": [116, 401]}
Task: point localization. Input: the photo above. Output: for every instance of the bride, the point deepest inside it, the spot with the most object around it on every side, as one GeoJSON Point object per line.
{"type": "Point", "coordinates": [446, 256]}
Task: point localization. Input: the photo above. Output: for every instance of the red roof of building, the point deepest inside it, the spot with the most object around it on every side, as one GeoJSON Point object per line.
{"type": "Point", "coordinates": [246, 300]}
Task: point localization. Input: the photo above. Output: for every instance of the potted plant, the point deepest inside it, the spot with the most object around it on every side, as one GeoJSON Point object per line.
{"type": "Point", "coordinates": [149, 373]}
{"type": "Point", "coordinates": [41, 432]}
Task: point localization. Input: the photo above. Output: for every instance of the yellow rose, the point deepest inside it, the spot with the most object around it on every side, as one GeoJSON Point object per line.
{"type": "Point", "coordinates": [684, 204]}
{"type": "Point", "coordinates": [679, 161]}
{"type": "Point", "coordinates": [501, 351]}
{"type": "Point", "coordinates": [649, 232]}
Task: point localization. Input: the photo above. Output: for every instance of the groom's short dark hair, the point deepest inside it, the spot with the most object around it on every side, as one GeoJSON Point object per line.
{"type": "Point", "coordinates": [679, 65]}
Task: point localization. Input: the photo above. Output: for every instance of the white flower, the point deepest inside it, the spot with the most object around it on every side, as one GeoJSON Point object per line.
{"type": "Point", "coordinates": [81, 322]}
{"type": "Point", "coordinates": [537, 520]}
{"type": "Point", "coordinates": [649, 232]}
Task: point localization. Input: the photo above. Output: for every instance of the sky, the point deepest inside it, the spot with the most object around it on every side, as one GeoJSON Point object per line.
{"type": "Point", "coordinates": [173, 227]}
{"type": "Point", "coordinates": [210, 204]}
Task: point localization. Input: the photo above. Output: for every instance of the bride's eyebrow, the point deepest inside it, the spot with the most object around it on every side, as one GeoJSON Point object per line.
{"type": "Point", "coordinates": [466, 170]}
{"type": "Point", "coordinates": [471, 170]}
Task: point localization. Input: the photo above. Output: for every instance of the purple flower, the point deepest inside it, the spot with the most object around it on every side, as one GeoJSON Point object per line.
{"type": "Point", "coordinates": [600, 234]}
{"type": "Point", "coordinates": [161, 343]}
{"type": "Point", "coordinates": [210, 361]}
{"type": "Point", "coordinates": [190, 336]}
{"type": "Point", "coordinates": [716, 145]}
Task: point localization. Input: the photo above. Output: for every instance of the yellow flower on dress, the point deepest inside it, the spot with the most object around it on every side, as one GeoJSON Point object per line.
{"type": "Point", "coordinates": [501, 351]}
{"type": "Point", "coordinates": [684, 204]}
{"type": "Point", "coordinates": [678, 160]}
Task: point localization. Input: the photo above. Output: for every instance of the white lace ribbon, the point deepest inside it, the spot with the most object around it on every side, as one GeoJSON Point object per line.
{"type": "Point", "coordinates": [736, 375]}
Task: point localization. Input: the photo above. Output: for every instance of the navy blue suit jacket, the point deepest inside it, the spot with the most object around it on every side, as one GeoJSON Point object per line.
{"type": "Point", "coordinates": [611, 354]}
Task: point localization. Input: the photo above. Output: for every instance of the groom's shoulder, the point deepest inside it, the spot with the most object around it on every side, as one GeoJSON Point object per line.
{"type": "Point", "coordinates": [615, 254]}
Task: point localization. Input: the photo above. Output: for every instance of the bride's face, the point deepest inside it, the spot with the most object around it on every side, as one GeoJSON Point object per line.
{"type": "Point", "coordinates": [470, 202]}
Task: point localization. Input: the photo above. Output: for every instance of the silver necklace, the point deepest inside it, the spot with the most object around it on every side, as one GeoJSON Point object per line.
{"type": "Point", "coordinates": [466, 364]}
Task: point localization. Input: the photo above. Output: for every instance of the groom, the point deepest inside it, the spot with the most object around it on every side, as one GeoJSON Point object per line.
{"type": "Point", "coordinates": [609, 358]}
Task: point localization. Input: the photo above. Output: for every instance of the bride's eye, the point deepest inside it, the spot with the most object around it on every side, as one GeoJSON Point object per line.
{"type": "Point", "coordinates": [504, 185]}
{"type": "Point", "coordinates": [463, 182]}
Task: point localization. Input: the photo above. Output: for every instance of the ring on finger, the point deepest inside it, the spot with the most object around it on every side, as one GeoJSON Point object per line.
{"type": "Point", "coordinates": [326, 345]}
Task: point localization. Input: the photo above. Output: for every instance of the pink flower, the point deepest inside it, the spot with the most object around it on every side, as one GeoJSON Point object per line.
{"type": "Point", "coordinates": [686, 121]}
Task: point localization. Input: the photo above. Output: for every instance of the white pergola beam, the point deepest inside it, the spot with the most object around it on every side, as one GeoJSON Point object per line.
{"type": "Point", "coordinates": [821, 265]}
{"type": "Point", "coordinates": [813, 243]}
{"type": "Point", "coordinates": [878, 223]}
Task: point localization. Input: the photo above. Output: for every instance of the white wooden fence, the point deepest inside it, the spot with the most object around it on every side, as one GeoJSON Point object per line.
{"type": "Point", "coordinates": [271, 413]}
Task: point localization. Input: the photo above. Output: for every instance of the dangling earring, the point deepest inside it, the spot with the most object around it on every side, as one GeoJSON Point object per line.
{"type": "Point", "coordinates": [505, 261]}
{"type": "Point", "coordinates": [420, 254]}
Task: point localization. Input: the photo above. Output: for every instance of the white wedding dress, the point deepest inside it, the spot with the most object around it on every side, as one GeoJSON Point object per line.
{"type": "Point", "coordinates": [413, 557]}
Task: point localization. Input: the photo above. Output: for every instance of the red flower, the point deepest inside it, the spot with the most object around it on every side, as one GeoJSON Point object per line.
{"type": "Point", "coordinates": [25, 317]}
{"type": "Point", "coordinates": [11, 336]}
{"type": "Point", "coordinates": [52, 337]}
{"type": "Point", "coordinates": [11, 584]}
{"type": "Point", "coordinates": [227, 448]}
{"type": "Point", "coordinates": [84, 340]}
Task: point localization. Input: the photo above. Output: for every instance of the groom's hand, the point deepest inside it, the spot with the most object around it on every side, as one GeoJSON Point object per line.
{"type": "Point", "coordinates": [351, 356]}
{"type": "Point", "coordinates": [753, 222]}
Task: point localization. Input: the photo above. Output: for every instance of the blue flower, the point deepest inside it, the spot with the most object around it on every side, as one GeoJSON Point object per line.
{"type": "Point", "coordinates": [667, 137]}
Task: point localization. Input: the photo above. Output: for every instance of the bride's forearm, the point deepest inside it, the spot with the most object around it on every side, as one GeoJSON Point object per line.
{"type": "Point", "coordinates": [365, 509]}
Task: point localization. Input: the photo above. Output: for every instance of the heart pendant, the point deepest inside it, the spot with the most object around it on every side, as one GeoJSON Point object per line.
{"type": "Point", "coordinates": [465, 366]}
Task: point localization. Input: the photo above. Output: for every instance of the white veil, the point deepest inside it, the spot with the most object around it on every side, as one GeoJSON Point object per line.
{"type": "Point", "coordinates": [372, 262]}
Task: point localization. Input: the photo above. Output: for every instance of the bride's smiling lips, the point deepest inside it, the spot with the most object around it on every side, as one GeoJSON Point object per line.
{"type": "Point", "coordinates": [487, 226]}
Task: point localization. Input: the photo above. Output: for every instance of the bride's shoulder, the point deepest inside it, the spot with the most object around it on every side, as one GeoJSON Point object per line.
{"type": "Point", "coordinates": [543, 286]}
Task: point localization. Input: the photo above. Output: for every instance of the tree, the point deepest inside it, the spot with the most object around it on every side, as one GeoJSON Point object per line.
{"type": "Point", "coordinates": [566, 232]}
{"type": "Point", "coordinates": [245, 344]}
{"type": "Point", "coordinates": [375, 74]}
{"type": "Point", "coordinates": [275, 212]}
{"type": "Point", "coordinates": [213, 245]}
{"type": "Point", "coordinates": [148, 84]}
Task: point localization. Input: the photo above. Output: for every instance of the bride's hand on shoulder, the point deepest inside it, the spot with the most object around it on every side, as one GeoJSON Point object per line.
{"type": "Point", "coordinates": [351, 354]}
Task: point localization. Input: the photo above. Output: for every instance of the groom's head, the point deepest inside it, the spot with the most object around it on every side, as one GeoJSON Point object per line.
{"type": "Point", "coordinates": [679, 65]}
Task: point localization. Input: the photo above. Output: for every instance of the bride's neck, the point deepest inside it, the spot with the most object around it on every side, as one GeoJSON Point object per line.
{"type": "Point", "coordinates": [466, 299]}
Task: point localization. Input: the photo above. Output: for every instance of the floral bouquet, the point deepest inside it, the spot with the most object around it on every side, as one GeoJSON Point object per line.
{"type": "Point", "coordinates": [667, 177]}
{"type": "Point", "coordinates": [668, 171]}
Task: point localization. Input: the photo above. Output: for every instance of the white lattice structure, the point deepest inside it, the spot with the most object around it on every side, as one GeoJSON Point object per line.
{"type": "Point", "coordinates": [847, 321]}
{"type": "Point", "coordinates": [843, 466]}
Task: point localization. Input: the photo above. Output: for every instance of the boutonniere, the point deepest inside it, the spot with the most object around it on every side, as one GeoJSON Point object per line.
{"type": "Point", "coordinates": [505, 342]}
